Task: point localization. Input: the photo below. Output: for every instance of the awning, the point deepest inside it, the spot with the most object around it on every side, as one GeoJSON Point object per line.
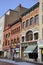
{"type": "Point", "coordinates": [24, 44]}
{"type": "Point", "coordinates": [30, 49]}
{"type": "Point", "coordinates": [17, 50]}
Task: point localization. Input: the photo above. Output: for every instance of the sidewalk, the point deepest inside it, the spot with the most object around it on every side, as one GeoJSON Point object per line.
{"type": "Point", "coordinates": [35, 62]}
{"type": "Point", "coordinates": [20, 62]}
{"type": "Point", "coordinates": [13, 62]}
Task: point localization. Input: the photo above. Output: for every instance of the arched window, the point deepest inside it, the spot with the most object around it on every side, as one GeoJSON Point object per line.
{"type": "Point", "coordinates": [29, 36]}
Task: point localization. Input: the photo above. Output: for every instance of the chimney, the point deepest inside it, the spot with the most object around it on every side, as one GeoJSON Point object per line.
{"type": "Point", "coordinates": [19, 5]}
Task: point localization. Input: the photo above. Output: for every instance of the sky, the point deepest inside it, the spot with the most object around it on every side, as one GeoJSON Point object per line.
{"type": "Point", "coordinates": [5, 5]}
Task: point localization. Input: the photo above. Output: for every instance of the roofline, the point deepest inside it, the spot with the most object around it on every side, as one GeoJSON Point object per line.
{"type": "Point", "coordinates": [31, 9]}
{"type": "Point", "coordinates": [28, 11]}
{"type": "Point", "coordinates": [7, 11]}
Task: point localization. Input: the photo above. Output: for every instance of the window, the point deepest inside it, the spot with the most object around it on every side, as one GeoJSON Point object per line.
{"type": "Point", "coordinates": [31, 21]}
{"type": "Point", "coordinates": [18, 40]}
{"type": "Point", "coordinates": [14, 40]}
{"type": "Point", "coordinates": [23, 24]}
{"type": "Point", "coordinates": [23, 39]}
{"type": "Point", "coordinates": [26, 23]}
{"type": "Point", "coordinates": [7, 35]}
{"type": "Point", "coordinates": [37, 19]}
{"type": "Point", "coordinates": [29, 36]}
{"type": "Point", "coordinates": [35, 36]}
{"type": "Point", "coordinates": [6, 43]}
{"type": "Point", "coordinates": [15, 30]}
{"type": "Point", "coordinates": [18, 29]}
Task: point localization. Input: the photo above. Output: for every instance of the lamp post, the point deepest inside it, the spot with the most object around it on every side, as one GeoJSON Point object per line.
{"type": "Point", "coordinates": [12, 51]}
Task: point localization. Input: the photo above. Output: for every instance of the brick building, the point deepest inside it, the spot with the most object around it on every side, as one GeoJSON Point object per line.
{"type": "Point", "coordinates": [12, 30]}
{"type": "Point", "coordinates": [23, 32]}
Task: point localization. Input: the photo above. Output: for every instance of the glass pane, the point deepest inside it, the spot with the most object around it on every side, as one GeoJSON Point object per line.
{"type": "Point", "coordinates": [37, 19]}
{"type": "Point", "coordinates": [23, 39]}
{"type": "Point", "coordinates": [31, 21]}
{"type": "Point", "coordinates": [26, 23]}
{"type": "Point", "coordinates": [36, 36]}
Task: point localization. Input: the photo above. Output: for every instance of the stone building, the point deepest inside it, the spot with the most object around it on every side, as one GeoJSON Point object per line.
{"type": "Point", "coordinates": [32, 33]}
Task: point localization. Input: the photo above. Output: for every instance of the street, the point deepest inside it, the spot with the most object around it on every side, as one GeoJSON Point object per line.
{"type": "Point", "coordinates": [10, 62]}
{"type": "Point", "coordinates": [3, 63]}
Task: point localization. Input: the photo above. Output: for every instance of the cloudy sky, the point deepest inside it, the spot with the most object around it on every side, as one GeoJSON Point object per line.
{"type": "Point", "coordinates": [12, 4]}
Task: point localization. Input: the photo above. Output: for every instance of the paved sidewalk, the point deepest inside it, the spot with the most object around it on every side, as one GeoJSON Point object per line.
{"type": "Point", "coordinates": [20, 63]}
{"type": "Point", "coordinates": [13, 62]}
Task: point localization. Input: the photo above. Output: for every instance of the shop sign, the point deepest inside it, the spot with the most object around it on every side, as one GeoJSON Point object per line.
{"type": "Point", "coordinates": [13, 46]}
{"type": "Point", "coordinates": [24, 44]}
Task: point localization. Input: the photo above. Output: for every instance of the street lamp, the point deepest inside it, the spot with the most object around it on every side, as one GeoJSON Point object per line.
{"type": "Point", "coordinates": [12, 50]}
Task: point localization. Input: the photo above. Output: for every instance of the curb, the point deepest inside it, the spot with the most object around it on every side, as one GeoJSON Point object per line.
{"type": "Point", "coordinates": [34, 62]}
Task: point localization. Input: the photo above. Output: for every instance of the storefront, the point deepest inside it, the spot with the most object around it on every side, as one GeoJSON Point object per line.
{"type": "Point", "coordinates": [32, 51]}
{"type": "Point", "coordinates": [1, 53]}
{"type": "Point", "coordinates": [29, 50]}
{"type": "Point", "coordinates": [23, 46]}
{"type": "Point", "coordinates": [17, 53]}
{"type": "Point", "coordinates": [40, 50]}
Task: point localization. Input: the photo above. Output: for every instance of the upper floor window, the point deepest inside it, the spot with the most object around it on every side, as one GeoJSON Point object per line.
{"type": "Point", "coordinates": [14, 40]}
{"type": "Point", "coordinates": [29, 36]}
{"type": "Point", "coordinates": [16, 30]}
{"type": "Point", "coordinates": [31, 21]}
{"type": "Point", "coordinates": [37, 19]}
{"type": "Point", "coordinates": [23, 39]}
{"type": "Point", "coordinates": [5, 42]}
{"type": "Point", "coordinates": [18, 40]}
{"type": "Point", "coordinates": [35, 36]}
{"type": "Point", "coordinates": [23, 25]}
{"type": "Point", "coordinates": [7, 35]}
{"type": "Point", "coordinates": [27, 23]}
